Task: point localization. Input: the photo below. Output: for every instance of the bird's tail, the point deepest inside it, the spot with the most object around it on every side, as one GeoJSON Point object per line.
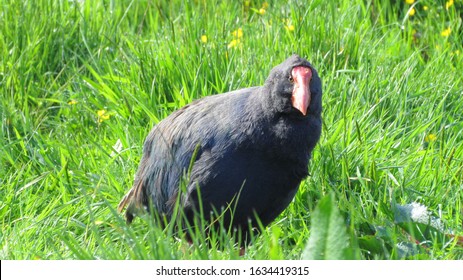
{"type": "Point", "coordinates": [127, 201]}
{"type": "Point", "coordinates": [133, 201]}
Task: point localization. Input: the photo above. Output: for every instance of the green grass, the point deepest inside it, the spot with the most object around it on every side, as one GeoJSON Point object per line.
{"type": "Point", "coordinates": [391, 82]}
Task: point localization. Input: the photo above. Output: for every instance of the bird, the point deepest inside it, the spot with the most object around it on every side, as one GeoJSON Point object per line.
{"type": "Point", "coordinates": [240, 155]}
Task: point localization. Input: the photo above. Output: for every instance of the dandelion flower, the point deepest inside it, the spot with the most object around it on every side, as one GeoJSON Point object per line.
{"type": "Point", "coordinates": [234, 43]}
{"type": "Point", "coordinates": [238, 33]}
{"type": "Point", "coordinates": [73, 102]}
{"type": "Point", "coordinates": [102, 115]}
{"type": "Point", "coordinates": [264, 5]}
{"type": "Point", "coordinates": [448, 4]}
{"type": "Point", "coordinates": [446, 32]}
{"type": "Point", "coordinates": [412, 12]}
{"type": "Point", "coordinates": [289, 27]}
{"type": "Point", "coordinates": [425, 8]}
{"type": "Point", "coordinates": [430, 138]}
{"type": "Point", "coordinates": [204, 39]}
{"type": "Point", "coordinates": [409, 2]}
{"type": "Point", "coordinates": [262, 11]}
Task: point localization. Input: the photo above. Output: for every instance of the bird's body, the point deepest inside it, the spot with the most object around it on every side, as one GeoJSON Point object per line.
{"type": "Point", "coordinates": [246, 151]}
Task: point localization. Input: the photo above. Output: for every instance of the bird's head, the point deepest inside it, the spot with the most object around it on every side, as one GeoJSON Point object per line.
{"type": "Point", "coordinates": [295, 88]}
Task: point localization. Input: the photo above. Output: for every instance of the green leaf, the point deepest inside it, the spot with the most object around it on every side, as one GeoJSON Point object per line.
{"type": "Point", "coordinates": [328, 237]}
{"type": "Point", "coordinates": [372, 245]}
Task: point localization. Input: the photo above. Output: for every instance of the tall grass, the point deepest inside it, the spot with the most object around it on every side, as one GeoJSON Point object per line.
{"type": "Point", "coordinates": [392, 120]}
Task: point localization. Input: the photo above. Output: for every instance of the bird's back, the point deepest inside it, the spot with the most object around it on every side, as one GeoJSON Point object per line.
{"type": "Point", "coordinates": [171, 145]}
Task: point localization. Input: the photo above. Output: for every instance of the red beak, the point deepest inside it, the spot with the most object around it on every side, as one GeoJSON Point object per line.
{"type": "Point", "coordinates": [301, 92]}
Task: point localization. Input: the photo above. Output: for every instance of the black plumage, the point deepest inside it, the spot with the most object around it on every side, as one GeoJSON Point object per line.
{"type": "Point", "coordinates": [247, 149]}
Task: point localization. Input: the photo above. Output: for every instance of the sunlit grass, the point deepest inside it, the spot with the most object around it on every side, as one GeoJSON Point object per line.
{"type": "Point", "coordinates": [79, 77]}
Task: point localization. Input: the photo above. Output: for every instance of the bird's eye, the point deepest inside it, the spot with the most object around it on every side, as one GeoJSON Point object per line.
{"type": "Point", "coordinates": [290, 78]}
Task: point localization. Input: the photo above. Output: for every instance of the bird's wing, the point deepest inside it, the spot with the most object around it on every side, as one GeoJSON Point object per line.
{"type": "Point", "coordinates": [176, 143]}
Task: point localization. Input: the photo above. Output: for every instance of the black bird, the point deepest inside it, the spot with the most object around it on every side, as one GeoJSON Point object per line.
{"type": "Point", "coordinates": [243, 153]}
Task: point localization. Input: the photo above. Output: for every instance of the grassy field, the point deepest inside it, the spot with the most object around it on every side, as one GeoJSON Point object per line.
{"type": "Point", "coordinates": [83, 82]}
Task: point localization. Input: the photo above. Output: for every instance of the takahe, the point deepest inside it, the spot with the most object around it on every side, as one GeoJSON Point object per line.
{"type": "Point", "coordinates": [242, 154]}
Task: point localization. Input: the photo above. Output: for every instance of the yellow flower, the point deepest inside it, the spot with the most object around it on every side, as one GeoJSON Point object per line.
{"type": "Point", "coordinates": [425, 8]}
{"type": "Point", "coordinates": [247, 3]}
{"type": "Point", "coordinates": [289, 27]}
{"type": "Point", "coordinates": [72, 102]}
{"type": "Point", "coordinates": [430, 138]}
{"type": "Point", "coordinates": [262, 11]}
{"type": "Point", "coordinates": [264, 5]}
{"type": "Point", "coordinates": [446, 32]}
{"type": "Point", "coordinates": [409, 2]}
{"type": "Point", "coordinates": [448, 4]}
{"type": "Point", "coordinates": [238, 33]}
{"type": "Point", "coordinates": [412, 12]}
{"type": "Point", "coordinates": [102, 115]}
{"type": "Point", "coordinates": [204, 39]}
{"type": "Point", "coordinates": [234, 43]}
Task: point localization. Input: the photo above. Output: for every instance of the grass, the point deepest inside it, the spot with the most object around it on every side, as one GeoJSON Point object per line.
{"type": "Point", "coordinates": [392, 133]}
